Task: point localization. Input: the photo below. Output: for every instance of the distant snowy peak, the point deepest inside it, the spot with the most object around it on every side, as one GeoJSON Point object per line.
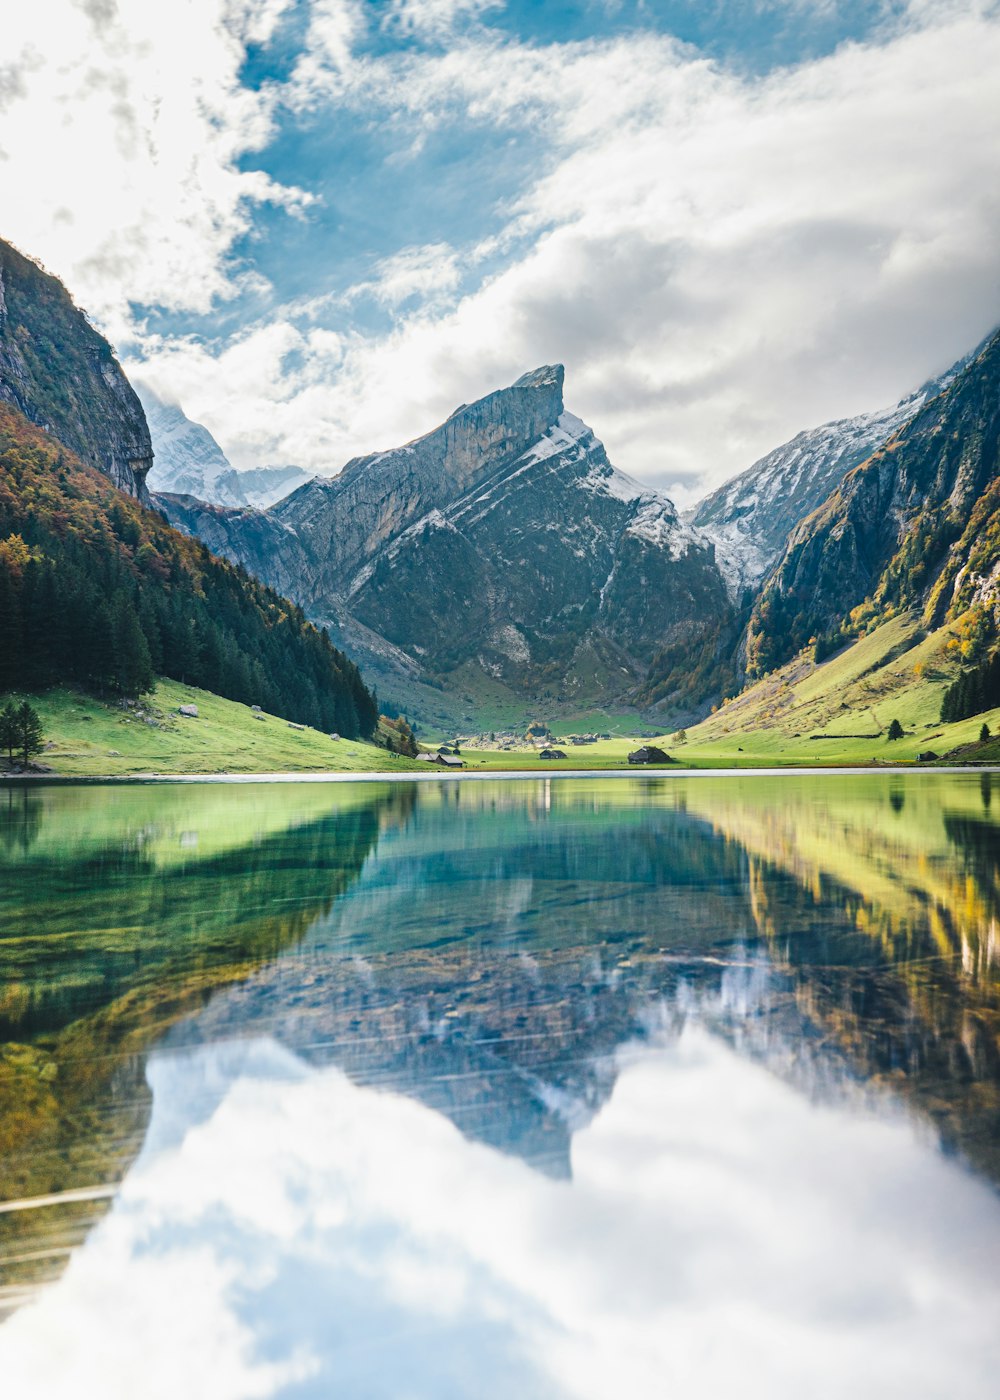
{"type": "Point", "coordinates": [189, 462]}
{"type": "Point", "coordinates": [187, 458]}
{"type": "Point", "coordinates": [750, 518]}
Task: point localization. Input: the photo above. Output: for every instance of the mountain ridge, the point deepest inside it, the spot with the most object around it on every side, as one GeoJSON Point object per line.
{"type": "Point", "coordinates": [190, 462]}
{"type": "Point", "coordinates": [503, 543]}
{"type": "Point", "coordinates": [750, 530]}
{"type": "Point", "coordinates": [916, 524]}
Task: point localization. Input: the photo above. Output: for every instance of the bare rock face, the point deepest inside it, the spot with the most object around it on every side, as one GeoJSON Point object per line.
{"type": "Point", "coordinates": [503, 543]}
{"type": "Point", "coordinates": [344, 521]}
{"type": "Point", "coordinates": [751, 517]}
{"type": "Point", "coordinates": [61, 374]}
{"type": "Point", "coordinates": [917, 523]}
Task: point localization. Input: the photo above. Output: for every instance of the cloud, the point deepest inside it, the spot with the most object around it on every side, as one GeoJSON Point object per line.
{"type": "Point", "coordinates": [124, 127]}
{"type": "Point", "coordinates": [719, 260]}
{"type": "Point", "coordinates": [425, 273]}
{"type": "Point", "coordinates": [435, 18]}
{"type": "Point", "coordinates": [285, 1228]}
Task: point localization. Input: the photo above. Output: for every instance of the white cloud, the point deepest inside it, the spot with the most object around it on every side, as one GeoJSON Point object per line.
{"type": "Point", "coordinates": [719, 261]}
{"type": "Point", "coordinates": [720, 1235]}
{"type": "Point", "coordinates": [426, 272]}
{"type": "Point", "coordinates": [122, 129]}
{"type": "Point", "coordinates": [435, 18]}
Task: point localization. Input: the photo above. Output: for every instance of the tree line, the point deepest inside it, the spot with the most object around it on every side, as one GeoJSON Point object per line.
{"type": "Point", "coordinates": [98, 591]}
{"type": "Point", "coordinates": [973, 692]}
{"type": "Point", "coordinates": [20, 731]}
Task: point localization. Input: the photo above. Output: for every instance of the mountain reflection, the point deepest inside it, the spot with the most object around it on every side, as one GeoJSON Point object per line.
{"type": "Point", "coordinates": [501, 957]}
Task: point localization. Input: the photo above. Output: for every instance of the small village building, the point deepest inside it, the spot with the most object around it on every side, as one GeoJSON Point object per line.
{"type": "Point", "coordinates": [649, 753]}
{"type": "Point", "coordinates": [551, 753]}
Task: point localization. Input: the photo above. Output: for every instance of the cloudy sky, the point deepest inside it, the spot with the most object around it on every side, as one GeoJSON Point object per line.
{"type": "Point", "coordinates": [322, 224]}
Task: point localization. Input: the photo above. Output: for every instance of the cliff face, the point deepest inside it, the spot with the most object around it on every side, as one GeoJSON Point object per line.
{"type": "Point", "coordinates": [344, 521]}
{"type": "Point", "coordinates": [503, 544]}
{"type": "Point", "coordinates": [251, 538]}
{"type": "Point", "coordinates": [917, 523]}
{"type": "Point", "coordinates": [63, 376]}
{"type": "Point", "coordinates": [751, 517]}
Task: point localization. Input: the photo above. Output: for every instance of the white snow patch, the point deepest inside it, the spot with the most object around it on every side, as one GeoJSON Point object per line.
{"type": "Point", "coordinates": [567, 432]}
{"type": "Point", "coordinates": [656, 521]}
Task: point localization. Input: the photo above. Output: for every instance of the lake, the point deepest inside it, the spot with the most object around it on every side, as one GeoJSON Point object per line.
{"type": "Point", "coordinates": [591, 1088]}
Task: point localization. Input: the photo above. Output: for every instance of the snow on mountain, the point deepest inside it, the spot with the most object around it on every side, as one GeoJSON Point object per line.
{"type": "Point", "coordinates": [750, 518]}
{"type": "Point", "coordinates": [189, 462]}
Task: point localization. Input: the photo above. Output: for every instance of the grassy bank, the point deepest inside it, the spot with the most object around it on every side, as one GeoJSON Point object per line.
{"type": "Point", "coordinates": [87, 738]}
{"type": "Point", "coordinates": [836, 714]}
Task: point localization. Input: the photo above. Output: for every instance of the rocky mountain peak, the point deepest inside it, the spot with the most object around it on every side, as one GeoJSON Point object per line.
{"type": "Point", "coordinates": [545, 377]}
{"type": "Point", "coordinates": [501, 549]}
{"type": "Point", "coordinates": [347, 519]}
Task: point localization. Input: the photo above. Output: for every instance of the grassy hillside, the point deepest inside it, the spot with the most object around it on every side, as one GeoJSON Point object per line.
{"type": "Point", "coordinates": [839, 711]}
{"type": "Point", "coordinates": [89, 738]}
{"type": "Point", "coordinates": [836, 713]}
{"type": "Point", "coordinates": [832, 714]}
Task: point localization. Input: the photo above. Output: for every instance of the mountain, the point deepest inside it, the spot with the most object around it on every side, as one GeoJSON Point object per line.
{"type": "Point", "coordinates": [917, 524]}
{"type": "Point", "coordinates": [751, 517]}
{"type": "Point", "coordinates": [189, 461]}
{"type": "Point", "coordinates": [259, 487]}
{"type": "Point", "coordinates": [503, 545]}
{"type": "Point", "coordinates": [96, 589]}
{"type": "Point", "coordinates": [58, 372]}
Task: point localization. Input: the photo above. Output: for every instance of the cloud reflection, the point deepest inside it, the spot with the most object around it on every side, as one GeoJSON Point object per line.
{"type": "Point", "coordinates": [286, 1232]}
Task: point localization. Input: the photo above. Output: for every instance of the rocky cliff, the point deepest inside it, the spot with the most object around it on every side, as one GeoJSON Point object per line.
{"type": "Point", "coordinates": [502, 545]}
{"type": "Point", "coordinates": [63, 376]}
{"type": "Point", "coordinates": [751, 517]}
{"type": "Point", "coordinates": [918, 523]}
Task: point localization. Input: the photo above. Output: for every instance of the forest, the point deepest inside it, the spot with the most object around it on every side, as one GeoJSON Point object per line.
{"type": "Point", "coordinates": [99, 591]}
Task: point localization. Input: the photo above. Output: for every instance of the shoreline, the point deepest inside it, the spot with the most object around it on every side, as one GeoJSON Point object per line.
{"type": "Point", "coordinates": [490, 775]}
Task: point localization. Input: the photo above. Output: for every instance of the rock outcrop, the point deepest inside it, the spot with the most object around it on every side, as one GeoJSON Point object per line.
{"type": "Point", "coordinates": [63, 376]}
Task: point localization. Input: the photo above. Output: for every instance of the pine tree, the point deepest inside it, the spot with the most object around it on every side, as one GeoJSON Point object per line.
{"type": "Point", "coordinates": [8, 729]}
{"type": "Point", "coordinates": [895, 730]}
{"type": "Point", "coordinates": [29, 731]}
{"type": "Point", "coordinates": [10, 629]}
{"type": "Point", "coordinates": [133, 669]}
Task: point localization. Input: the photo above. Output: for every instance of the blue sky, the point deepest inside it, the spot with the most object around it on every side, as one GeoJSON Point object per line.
{"type": "Point", "coordinates": [320, 224]}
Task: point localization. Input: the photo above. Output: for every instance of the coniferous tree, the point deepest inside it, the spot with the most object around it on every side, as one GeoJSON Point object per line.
{"type": "Point", "coordinates": [8, 729]}
{"type": "Point", "coordinates": [29, 732]}
{"type": "Point", "coordinates": [133, 669]}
